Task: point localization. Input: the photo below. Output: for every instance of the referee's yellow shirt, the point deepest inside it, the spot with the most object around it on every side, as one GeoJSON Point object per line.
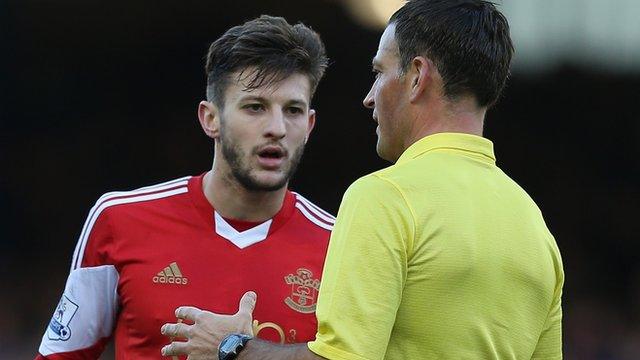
{"type": "Point", "coordinates": [440, 256]}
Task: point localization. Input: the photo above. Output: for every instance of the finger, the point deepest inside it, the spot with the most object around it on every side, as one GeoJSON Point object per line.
{"type": "Point", "coordinates": [175, 330]}
{"type": "Point", "coordinates": [187, 312]}
{"type": "Point", "coordinates": [248, 302]}
{"type": "Point", "coordinates": [175, 348]}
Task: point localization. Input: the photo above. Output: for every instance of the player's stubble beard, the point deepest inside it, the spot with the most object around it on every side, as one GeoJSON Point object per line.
{"type": "Point", "coordinates": [241, 171]}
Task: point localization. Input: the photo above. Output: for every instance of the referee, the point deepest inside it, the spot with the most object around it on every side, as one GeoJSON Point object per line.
{"type": "Point", "coordinates": [441, 255]}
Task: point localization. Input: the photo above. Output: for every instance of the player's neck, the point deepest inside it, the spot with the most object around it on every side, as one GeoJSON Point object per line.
{"type": "Point", "coordinates": [231, 200]}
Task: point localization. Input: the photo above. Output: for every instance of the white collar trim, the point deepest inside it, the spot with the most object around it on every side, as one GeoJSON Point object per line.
{"type": "Point", "coordinates": [241, 239]}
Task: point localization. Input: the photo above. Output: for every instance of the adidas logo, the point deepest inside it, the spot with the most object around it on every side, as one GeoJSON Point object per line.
{"type": "Point", "coordinates": [170, 275]}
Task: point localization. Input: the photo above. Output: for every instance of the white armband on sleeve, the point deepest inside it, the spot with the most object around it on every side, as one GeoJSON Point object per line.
{"type": "Point", "coordinates": [86, 313]}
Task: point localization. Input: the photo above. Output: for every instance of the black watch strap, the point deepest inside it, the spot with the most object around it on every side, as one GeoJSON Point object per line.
{"type": "Point", "coordinates": [231, 345]}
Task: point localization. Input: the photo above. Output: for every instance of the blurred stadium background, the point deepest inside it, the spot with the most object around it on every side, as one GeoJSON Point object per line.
{"type": "Point", "coordinates": [97, 96]}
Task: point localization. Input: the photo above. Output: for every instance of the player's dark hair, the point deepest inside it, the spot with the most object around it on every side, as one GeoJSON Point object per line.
{"type": "Point", "coordinates": [468, 41]}
{"type": "Point", "coordinates": [265, 50]}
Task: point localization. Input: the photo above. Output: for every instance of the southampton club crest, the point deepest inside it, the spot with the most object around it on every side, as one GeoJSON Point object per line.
{"type": "Point", "coordinates": [59, 325]}
{"type": "Point", "coordinates": [304, 291]}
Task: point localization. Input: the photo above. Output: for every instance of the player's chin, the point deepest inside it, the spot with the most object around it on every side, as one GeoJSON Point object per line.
{"type": "Point", "coordinates": [270, 179]}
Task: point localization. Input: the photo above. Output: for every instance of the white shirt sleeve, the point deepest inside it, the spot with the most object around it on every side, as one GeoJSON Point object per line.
{"type": "Point", "coordinates": [86, 312]}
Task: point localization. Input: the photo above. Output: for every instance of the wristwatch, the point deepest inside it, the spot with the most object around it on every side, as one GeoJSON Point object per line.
{"type": "Point", "coordinates": [231, 345]}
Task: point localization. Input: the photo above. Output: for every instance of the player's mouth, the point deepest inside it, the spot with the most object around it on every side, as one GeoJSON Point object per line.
{"type": "Point", "coordinates": [271, 157]}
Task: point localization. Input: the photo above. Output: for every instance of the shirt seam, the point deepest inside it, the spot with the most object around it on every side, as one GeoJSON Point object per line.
{"type": "Point", "coordinates": [317, 347]}
{"type": "Point", "coordinates": [480, 154]}
{"type": "Point", "coordinates": [413, 214]}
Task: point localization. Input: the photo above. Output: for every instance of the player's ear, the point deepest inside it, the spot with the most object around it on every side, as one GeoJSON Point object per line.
{"type": "Point", "coordinates": [311, 122]}
{"type": "Point", "coordinates": [209, 116]}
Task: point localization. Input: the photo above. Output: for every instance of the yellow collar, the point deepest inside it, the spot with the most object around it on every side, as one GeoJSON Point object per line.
{"type": "Point", "coordinates": [459, 141]}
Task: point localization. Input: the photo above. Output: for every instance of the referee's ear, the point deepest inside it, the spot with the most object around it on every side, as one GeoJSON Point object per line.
{"type": "Point", "coordinates": [208, 114]}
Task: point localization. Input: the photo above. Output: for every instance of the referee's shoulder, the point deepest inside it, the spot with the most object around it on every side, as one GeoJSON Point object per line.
{"type": "Point", "coordinates": [374, 183]}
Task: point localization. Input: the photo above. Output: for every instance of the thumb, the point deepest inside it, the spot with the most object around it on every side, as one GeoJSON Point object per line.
{"type": "Point", "coordinates": [248, 302]}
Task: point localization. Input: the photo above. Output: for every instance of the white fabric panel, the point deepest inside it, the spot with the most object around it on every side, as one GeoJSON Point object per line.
{"type": "Point", "coordinates": [241, 239]}
{"type": "Point", "coordinates": [86, 312]}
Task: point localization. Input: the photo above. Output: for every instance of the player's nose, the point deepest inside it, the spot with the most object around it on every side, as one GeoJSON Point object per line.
{"type": "Point", "coordinates": [276, 125]}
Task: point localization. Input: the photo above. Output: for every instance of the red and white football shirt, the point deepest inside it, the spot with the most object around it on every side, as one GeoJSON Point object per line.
{"type": "Point", "coordinates": [145, 252]}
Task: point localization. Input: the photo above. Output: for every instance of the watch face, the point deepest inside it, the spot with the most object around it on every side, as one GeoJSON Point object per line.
{"type": "Point", "coordinates": [230, 343]}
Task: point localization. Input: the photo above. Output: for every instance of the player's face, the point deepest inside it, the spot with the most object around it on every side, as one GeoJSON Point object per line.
{"type": "Point", "coordinates": [387, 98]}
{"type": "Point", "coordinates": [263, 131]}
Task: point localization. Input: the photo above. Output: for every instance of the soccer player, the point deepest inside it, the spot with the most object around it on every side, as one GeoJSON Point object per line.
{"type": "Point", "coordinates": [205, 240]}
{"type": "Point", "coordinates": [441, 255]}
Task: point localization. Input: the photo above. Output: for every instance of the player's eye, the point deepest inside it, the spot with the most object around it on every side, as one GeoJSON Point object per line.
{"type": "Point", "coordinates": [256, 107]}
{"type": "Point", "coordinates": [293, 110]}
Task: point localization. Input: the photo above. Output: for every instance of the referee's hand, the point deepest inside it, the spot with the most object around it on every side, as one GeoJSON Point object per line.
{"type": "Point", "coordinates": [208, 329]}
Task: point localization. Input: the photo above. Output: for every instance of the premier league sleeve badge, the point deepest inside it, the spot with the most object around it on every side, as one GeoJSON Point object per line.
{"type": "Point", "coordinates": [59, 326]}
